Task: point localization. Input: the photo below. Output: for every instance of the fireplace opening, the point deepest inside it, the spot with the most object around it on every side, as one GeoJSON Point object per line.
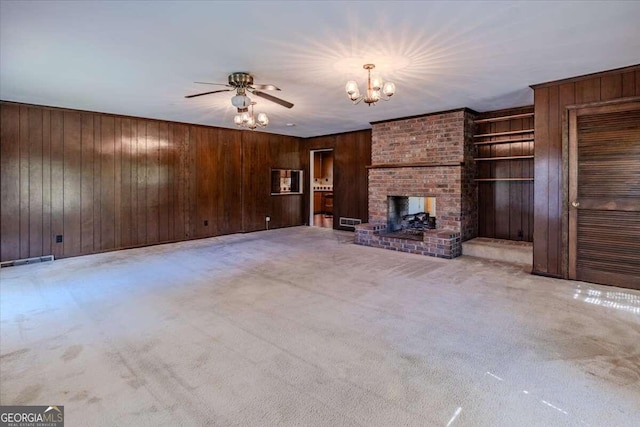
{"type": "Point", "coordinates": [410, 216]}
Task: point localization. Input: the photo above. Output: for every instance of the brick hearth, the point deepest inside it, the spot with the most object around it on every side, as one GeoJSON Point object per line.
{"type": "Point", "coordinates": [427, 156]}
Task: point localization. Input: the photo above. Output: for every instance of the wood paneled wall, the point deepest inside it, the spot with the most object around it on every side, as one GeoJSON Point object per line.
{"type": "Point", "coordinates": [106, 182]}
{"type": "Point", "coordinates": [262, 152]}
{"type": "Point", "coordinates": [505, 208]}
{"type": "Point", "coordinates": [352, 154]}
{"type": "Point", "coordinates": [550, 101]}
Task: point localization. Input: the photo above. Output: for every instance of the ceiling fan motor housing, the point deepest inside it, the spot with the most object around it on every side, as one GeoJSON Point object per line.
{"type": "Point", "coordinates": [242, 82]}
{"type": "Point", "coordinates": [240, 79]}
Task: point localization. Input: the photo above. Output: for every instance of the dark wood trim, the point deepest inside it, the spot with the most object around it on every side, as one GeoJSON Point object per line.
{"type": "Point", "coordinates": [413, 165]}
{"type": "Point", "coordinates": [309, 139]}
{"type": "Point", "coordinates": [602, 106]}
{"type": "Point", "coordinates": [600, 74]}
{"type": "Point", "coordinates": [542, 196]}
{"type": "Point", "coordinates": [512, 132]}
{"type": "Point", "coordinates": [504, 141]}
{"type": "Point", "coordinates": [503, 158]}
{"type": "Point", "coordinates": [573, 192]}
{"type": "Point", "coordinates": [545, 274]}
{"type": "Point", "coordinates": [465, 109]}
{"type": "Point", "coordinates": [525, 109]}
{"type": "Point", "coordinates": [503, 118]}
{"type": "Point", "coordinates": [502, 179]}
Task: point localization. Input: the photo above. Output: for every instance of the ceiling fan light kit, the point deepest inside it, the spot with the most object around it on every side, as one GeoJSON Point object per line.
{"type": "Point", "coordinates": [375, 89]}
{"type": "Point", "coordinates": [247, 119]}
{"type": "Point", "coordinates": [242, 83]}
{"type": "Point", "coordinates": [241, 101]}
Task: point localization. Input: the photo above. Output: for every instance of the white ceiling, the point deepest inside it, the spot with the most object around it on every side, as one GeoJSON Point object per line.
{"type": "Point", "coordinates": [141, 58]}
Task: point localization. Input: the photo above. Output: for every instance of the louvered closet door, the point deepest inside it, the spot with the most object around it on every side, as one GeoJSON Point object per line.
{"type": "Point", "coordinates": [604, 194]}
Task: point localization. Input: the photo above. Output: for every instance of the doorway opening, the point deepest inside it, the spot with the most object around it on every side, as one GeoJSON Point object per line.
{"type": "Point", "coordinates": [321, 188]}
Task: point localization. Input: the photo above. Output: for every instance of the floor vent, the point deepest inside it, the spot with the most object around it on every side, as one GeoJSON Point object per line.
{"type": "Point", "coordinates": [26, 261]}
{"type": "Point", "coordinates": [349, 222]}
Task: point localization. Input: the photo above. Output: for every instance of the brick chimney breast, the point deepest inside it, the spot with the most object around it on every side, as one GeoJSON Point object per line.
{"type": "Point", "coordinates": [428, 156]}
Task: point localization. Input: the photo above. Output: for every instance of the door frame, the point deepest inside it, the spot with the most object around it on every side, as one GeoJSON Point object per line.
{"type": "Point", "coordinates": [572, 113]}
{"type": "Point", "coordinates": [311, 170]}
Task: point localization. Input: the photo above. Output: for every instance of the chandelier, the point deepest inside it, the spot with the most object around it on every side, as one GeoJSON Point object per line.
{"type": "Point", "coordinates": [247, 120]}
{"type": "Point", "coordinates": [375, 89]}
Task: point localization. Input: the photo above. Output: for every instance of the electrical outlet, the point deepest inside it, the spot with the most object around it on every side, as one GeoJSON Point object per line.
{"type": "Point", "coordinates": [268, 218]}
{"type": "Point", "coordinates": [206, 222]}
{"type": "Point", "coordinates": [59, 238]}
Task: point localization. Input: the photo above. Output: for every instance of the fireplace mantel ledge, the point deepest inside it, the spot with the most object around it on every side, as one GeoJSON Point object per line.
{"type": "Point", "coordinates": [412, 165]}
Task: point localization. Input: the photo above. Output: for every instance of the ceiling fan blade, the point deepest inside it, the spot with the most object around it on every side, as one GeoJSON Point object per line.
{"type": "Point", "coordinates": [265, 87]}
{"type": "Point", "coordinates": [216, 84]}
{"type": "Point", "coordinates": [207, 93]}
{"type": "Point", "coordinates": [272, 98]}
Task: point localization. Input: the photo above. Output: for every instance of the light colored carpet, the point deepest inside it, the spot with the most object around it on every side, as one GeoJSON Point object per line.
{"type": "Point", "coordinates": [299, 326]}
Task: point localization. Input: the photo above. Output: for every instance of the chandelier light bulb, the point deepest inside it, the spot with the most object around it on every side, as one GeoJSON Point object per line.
{"type": "Point", "coordinates": [389, 89]}
{"type": "Point", "coordinates": [376, 83]}
{"type": "Point", "coordinates": [351, 87]}
{"type": "Point", "coordinates": [263, 120]}
{"type": "Point", "coordinates": [237, 119]}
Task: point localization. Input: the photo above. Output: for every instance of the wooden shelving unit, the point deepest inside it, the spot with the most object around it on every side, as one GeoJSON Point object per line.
{"type": "Point", "coordinates": [502, 179]}
{"type": "Point", "coordinates": [494, 134]}
{"type": "Point", "coordinates": [504, 159]}
{"type": "Point", "coordinates": [516, 145]}
{"type": "Point", "coordinates": [503, 118]}
{"type": "Point", "coordinates": [504, 141]}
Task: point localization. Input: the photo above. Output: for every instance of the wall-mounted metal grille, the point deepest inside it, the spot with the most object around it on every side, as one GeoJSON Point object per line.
{"type": "Point", "coordinates": [26, 261]}
{"type": "Point", "coordinates": [349, 222]}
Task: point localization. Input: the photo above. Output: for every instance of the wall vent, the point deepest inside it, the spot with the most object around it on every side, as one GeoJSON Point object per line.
{"type": "Point", "coordinates": [26, 261]}
{"type": "Point", "coordinates": [349, 222]}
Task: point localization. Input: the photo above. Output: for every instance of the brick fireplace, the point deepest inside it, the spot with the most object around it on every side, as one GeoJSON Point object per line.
{"type": "Point", "coordinates": [430, 156]}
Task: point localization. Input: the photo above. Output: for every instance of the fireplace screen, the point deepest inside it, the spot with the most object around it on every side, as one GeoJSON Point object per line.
{"type": "Point", "coordinates": [411, 214]}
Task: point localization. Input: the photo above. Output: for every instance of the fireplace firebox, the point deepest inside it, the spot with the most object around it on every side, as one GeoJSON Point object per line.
{"type": "Point", "coordinates": [410, 216]}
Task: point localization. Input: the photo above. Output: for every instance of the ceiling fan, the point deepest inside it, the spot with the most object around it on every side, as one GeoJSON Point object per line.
{"type": "Point", "coordinates": [243, 83]}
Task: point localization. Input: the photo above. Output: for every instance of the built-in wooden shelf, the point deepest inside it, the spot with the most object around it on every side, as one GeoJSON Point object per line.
{"type": "Point", "coordinates": [413, 165]}
{"type": "Point", "coordinates": [502, 179]}
{"type": "Point", "coordinates": [513, 132]}
{"type": "Point", "coordinates": [504, 158]}
{"type": "Point", "coordinates": [503, 118]}
{"type": "Point", "coordinates": [503, 141]}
